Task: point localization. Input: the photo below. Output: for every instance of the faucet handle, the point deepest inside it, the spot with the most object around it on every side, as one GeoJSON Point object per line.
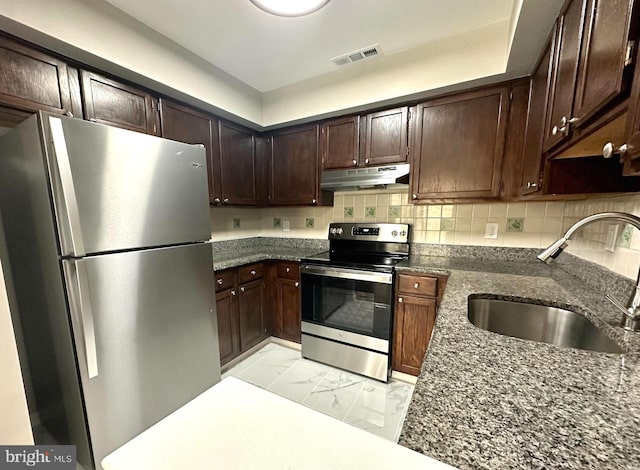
{"type": "Point", "coordinates": [631, 316]}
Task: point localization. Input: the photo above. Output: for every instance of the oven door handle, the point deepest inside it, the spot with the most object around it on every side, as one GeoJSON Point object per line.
{"type": "Point", "coordinates": [367, 276]}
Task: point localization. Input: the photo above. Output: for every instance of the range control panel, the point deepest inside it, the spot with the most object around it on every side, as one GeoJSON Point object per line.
{"type": "Point", "coordinates": [371, 232]}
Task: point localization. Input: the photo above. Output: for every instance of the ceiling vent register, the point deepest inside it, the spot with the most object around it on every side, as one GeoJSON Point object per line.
{"type": "Point", "coordinates": [355, 56]}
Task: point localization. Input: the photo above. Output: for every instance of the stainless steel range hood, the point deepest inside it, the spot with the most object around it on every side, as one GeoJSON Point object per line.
{"type": "Point", "coordinates": [363, 178]}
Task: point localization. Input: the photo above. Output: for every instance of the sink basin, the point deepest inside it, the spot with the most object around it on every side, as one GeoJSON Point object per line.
{"type": "Point", "coordinates": [539, 323]}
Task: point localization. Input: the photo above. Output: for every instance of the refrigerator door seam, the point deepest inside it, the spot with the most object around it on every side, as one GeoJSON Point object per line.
{"type": "Point", "coordinates": [62, 165]}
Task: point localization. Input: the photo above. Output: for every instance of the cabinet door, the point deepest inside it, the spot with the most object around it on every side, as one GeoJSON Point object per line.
{"type": "Point", "coordinates": [237, 164]}
{"type": "Point", "coordinates": [529, 181]}
{"type": "Point", "coordinates": [413, 324]}
{"type": "Point", "coordinates": [109, 102]}
{"type": "Point", "coordinates": [459, 145]}
{"type": "Point", "coordinates": [565, 52]}
{"type": "Point", "coordinates": [385, 139]}
{"type": "Point", "coordinates": [603, 58]}
{"type": "Point", "coordinates": [228, 338]}
{"type": "Point", "coordinates": [250, 313]}
{"type": "Point", "coordinates": [289, 307]}
{"type": "Point", "coordinates": [339, 139]}
{"type": "Point", "coordinates": [31, 80]}
{"type": "Point", "coordinates": [295, 167]}
{"type": "Point", "coordinates": [192, 127]}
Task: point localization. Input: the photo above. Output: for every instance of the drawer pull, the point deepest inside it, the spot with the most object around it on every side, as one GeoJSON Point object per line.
{"type": "Point", "coordinates": [400, 300]}
{"type": "Point", "coordinates": [416, 285]}
{"type": "Point", "coordinates": [242, 289]}
{"type": "Point", "coordinates": [253, 272]}
{"type": "Point", "coordinates": [233, 292]}
{"type": "Point", "coordinates": [288, 269]}
{"type": "Point", "coordinates": [297, 284]}
{"type": "Point", "coordinates": [219, 281]}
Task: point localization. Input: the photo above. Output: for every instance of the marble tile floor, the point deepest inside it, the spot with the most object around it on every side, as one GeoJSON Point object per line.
{"type": "Point", "coordinates": [365, 403]}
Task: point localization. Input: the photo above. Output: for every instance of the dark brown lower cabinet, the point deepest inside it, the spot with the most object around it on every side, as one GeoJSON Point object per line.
{"type": "Point", "coordinates": [415, 315]}
{"type": "Point", "coordinates": [414, 320]}
{"type": "Point", "coordinates": [228, 337]}
{"type": "Point", "coordinates": [250, 309]}
{"type": "Point", "coordinates": [240, 311]}
{"type": "Point", "coordinates": [289, 308]}
{"type": "Point", "coordinates": [284, 306]}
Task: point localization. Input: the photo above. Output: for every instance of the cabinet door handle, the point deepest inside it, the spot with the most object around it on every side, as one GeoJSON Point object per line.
{"type": "Point", "coordinates": [216, 200]}
{"type": "Point", "coordinates": [69, 113]}
{"type": "Point", "coordinates": [225, 201]}
{"type": "Point", "coordinates": [416, 285]}
{"type": "Point", "coordinates": [220, 281]}
{"type": "Point", "coordinates": [253, 272]}
{"type": "Point", "coordinates": [314, 201]}
{"type": "Point", "coordinates": [531, 185]}
{"type": "Point", "coordinates": [609, 149]}
{"type": "Point", "coordinates": [355, 162]}
{"type": "Point", "coordinates": [288, 269]}
{"type": "Point", "coordinates": [400, 300]}
{"type": "Point", "coordinates": [366, 161]}
{"type": "Point", "coordinates": [242, 289]}
{"type": "Point", "coordinates": [415, 196]}
{"type": "Point", "coordinates": [233, 292]}
{"type": "Point", "coordinates": [297, 284]}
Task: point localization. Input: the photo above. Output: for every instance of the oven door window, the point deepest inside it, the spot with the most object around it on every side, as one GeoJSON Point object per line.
{"type": "Point", "coordinates": [358, 306]}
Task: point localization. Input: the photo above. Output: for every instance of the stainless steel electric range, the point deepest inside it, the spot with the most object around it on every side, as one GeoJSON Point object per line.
{"type": "Point", "coordinates": [347, 297]}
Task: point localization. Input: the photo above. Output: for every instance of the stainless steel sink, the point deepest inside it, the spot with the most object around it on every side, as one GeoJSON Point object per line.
{"type": "Point", "coordinates": [539, 323]}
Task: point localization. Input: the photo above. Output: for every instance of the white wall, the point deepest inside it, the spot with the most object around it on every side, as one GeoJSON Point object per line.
{"type": "Point", "coordinates": [15, 427]}
{"type": "Point", "coordinates": [477, 54]}
{"type": "Point", "coordinates": [107, 34]}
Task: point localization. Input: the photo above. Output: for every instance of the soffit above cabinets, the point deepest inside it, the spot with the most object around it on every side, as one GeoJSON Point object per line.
{"type": "Point", "coordinates": [269, 52]}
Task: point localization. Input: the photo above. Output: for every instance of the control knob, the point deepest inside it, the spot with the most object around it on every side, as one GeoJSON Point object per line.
{"type": "Point", "coordinates": [394, 233]}
{"type": "Point", "coordinates": [403, 233]}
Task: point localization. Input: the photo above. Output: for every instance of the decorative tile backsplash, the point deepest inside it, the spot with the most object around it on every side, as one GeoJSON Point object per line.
{"type": "Point", "coordinates": [520, 224]}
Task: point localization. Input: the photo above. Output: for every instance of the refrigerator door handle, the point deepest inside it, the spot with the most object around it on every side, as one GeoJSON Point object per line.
{"type": "Point", "coordinates": [81, 303]}
{"type": "Point", "coordinates": [63, 168]}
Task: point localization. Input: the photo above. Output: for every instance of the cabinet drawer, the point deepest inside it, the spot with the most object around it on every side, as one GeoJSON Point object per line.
{"type": "Point", "coordinates": [417, 285]}
{"type": "Point", "coordinates": [225, 279]}
{"type": "Point", "coordinates": [289, 269]}
{"type": "Point", "coordinates": [249, 272]}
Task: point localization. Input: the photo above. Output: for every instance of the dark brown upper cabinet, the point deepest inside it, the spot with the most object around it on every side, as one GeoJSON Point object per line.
{"type": "Point", "coordinates": [565, 51]}
{"type": "Point", "coordinates": [187, 125]}
{"type": "Point", "coordinates": [522, 169]}
{"type": "Point", "coordinates": [107, 101]}
{"type": "Point", "coordinates": [631, 157]}
{"type": "Point", "coordinates": [339, 143]}
{"type": "Point", "coordinates": [458, 145]}
{"type": "Point", "coordinates": [237, 165]}
{"type": "Point", "coordinates": [294, 174]}
{"type": "Point", "coordinates": [31, 80]}
{"type": "Point", "coordinates": [385, 137]}
{"type": "Point", "coordinates": [604, 57]}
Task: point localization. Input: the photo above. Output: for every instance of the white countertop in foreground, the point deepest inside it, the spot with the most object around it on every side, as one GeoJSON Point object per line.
{"type": "Point", "coordinates": [236, 425]}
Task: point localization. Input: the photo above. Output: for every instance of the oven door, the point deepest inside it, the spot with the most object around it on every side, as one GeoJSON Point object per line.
{"type": "Point", "coordinates": [354, 300]}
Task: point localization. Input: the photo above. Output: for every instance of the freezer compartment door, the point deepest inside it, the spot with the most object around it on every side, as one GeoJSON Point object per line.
{"type": "Point", "coordinates": [115, 189]}
{"type": "Point", "coordinates": [145, 331]}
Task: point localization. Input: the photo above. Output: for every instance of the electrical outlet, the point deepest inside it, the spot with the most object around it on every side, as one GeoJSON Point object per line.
{"type": "Point", "coordinates": [491, 231]}
{"type": "Point", "coordinates": [285, 225]}
{"type": "Point", "coordinates": [612, 236]}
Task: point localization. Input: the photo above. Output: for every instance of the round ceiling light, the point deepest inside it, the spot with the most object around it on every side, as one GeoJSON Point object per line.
{"type": "Point", "coordinates": [290, 7]}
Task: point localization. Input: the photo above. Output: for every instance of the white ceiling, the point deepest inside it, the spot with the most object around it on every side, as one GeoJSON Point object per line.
{"type": "Point", "coordinates": [269, 52]}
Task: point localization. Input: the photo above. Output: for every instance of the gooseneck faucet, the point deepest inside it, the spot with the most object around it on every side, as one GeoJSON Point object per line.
{"type": "Point", "coordinates": [631, 312]}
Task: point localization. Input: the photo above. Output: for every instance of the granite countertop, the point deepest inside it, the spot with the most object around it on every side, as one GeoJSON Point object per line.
{"type": "Point", "coordinates": [484, 400]}
{"type": "Point", "coordinates": [232, 253]}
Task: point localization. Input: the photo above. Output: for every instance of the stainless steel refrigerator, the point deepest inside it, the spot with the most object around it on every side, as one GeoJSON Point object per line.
{"type": "Point", "coordinates": [111, 275]}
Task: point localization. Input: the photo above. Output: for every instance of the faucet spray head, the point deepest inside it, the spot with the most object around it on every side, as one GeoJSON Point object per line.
{"type": "Point", "coordinates": [551, 253]}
